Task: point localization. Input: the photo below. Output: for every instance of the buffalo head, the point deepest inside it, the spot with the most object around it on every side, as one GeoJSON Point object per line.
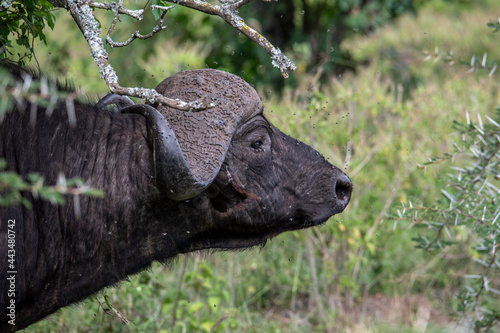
{"type": "Point", "coordinates": [237, 177]}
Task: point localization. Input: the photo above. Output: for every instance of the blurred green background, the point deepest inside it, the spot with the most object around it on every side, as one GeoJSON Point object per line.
{"type": "Point", "coordinates": [377, 88]}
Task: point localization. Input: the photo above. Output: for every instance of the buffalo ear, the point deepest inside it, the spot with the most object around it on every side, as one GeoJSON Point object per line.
{"type": "Point", "coordinates": [119, 102]}
{"type": "Point", "coordinates": [173, 175]}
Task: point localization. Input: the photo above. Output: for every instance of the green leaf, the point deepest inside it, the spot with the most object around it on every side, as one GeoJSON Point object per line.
{"type": "Point", "coordinates": [95, 193]}
{"type": "Point", "coordinates": [207, 325]}
{"type": "Point", "coordinates": [213, 301]}
{"type": "Point", "coordinates": [49, 194]}
{"type": "Point", "coordinates": [156, 12]}
{"type": "Point", "coordinates": [494, 25]}
{"type": "Point", "coordinates": [195, 306]}
{"type": "Point", "coordinates": [107, 301]}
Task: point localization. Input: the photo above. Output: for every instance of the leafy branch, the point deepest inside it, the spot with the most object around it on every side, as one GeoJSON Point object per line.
{"type": "Point", "coordinates": [475, 63]}
{"type": "Point", "coordinates": [42, 92]}
{"type": "Point", "coordinates": [471, 201]}
{"type": "Point", "coordinates": [14, 186]}
{"type": "Point", "coordinates": [25, 21]}
{"type": "Point", "coordinates": [121, 10]}
{"type": "Point", "coordinates": [494, 25]}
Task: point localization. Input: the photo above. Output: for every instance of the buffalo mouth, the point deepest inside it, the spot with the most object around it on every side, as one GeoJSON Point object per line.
{"type": "Point", "coordinates": [225, 240]}
{"type": "Point", "coordinates": [232, 239]}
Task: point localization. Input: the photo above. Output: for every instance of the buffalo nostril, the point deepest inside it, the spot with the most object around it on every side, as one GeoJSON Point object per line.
{"type": "Point", "coordinates": [343, 189]}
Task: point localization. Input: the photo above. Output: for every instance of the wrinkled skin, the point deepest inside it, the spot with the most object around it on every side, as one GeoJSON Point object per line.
{"type": "Point", "coordinates": [269, 183]}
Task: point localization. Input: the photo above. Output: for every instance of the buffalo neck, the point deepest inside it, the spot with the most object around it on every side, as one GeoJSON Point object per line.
{"type": "Point", "coordinates": [92, 242]}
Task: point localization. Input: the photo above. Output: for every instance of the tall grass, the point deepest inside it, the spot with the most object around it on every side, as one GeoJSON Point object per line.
{"type": "Point", "coordinates": [359, 272]}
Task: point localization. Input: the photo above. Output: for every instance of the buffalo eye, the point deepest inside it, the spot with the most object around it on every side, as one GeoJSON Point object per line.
{"type": "Point", "coordinates": [257, 144]}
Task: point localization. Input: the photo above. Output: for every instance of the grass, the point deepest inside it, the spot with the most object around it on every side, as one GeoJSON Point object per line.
{"type": "Point", "coordinates": [360, 272]}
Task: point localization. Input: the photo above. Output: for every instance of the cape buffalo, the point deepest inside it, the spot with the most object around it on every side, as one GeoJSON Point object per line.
{"type": "Point", "coordinates": [174, 181]}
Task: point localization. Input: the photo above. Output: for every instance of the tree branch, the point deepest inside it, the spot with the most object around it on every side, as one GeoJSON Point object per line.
{"type": "Point", "coordinates": [119, 9]}
{"type": "Point", "coordinates": [82, 14]}
{"type": "Point", "coordinates": [228, 11]}
{"type": "Point", "coordinates": [136, 14]}
{"type": "Point", "coordinates": [81, 11]}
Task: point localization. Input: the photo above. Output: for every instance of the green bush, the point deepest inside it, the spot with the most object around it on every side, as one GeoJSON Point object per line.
{"type": "Point", "coordinates": [467, 216]}
{"type": "Point", "coordinates": [23, 22]}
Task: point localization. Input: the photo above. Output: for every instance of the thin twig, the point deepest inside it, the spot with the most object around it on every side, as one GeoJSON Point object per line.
{"type": "Point", "coordinates": [350, 127]}
{"type": "Point", "coordinates": [159, 27]}
{"type": "Point", "coordinates": [488, 160]}
{"type": "Point", "coordinates": [447, 210]}
{"type": "Point", "coordinates": [229, 13]}
{"type": "Point", "coordinates": [387, 205]}
{"type": "Point", "coordinates": [436, 239]}
{"type": "Point", "coordinates": [218, 322]}
{"type": "Point", "coordinates": [117, 313]}
{"type": "Point", "coordinates": [136, 14]}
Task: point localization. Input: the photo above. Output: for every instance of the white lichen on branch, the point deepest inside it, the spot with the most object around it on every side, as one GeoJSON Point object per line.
{"type": "Point", "coordinates": [281, 61]}
{"type": "Point", "coordinates": [82, 14]}
{"type": "Point", "coordinates": [5, 4]}
{"type": "Point", "coordinates": [119, 9]}
{"type": "Point", "coordinates": [153, 97]}
{"type": "Point", "coordinates": [136, 14]}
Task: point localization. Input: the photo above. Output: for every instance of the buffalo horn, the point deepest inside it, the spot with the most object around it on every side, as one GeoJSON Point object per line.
{"type": "Point", "coordinates": [173, 176]}
{"type": "Point", "coordinates": [119, 101]}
